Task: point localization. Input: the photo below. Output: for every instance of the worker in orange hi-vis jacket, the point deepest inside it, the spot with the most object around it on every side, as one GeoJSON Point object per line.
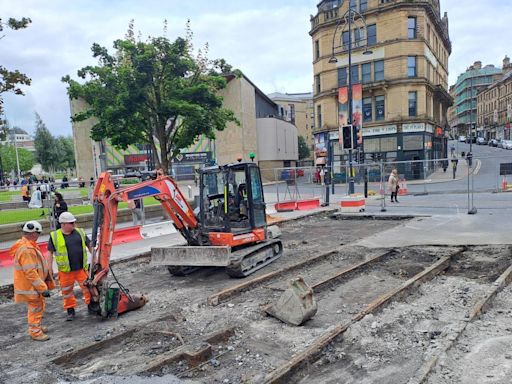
{"type": "Point", "coordinates": [69, 246]}
{"type": "Point", "coordinates": [33, 279]}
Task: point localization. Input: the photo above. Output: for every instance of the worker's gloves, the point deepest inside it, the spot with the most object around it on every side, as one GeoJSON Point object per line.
{"type": "Point", "coordinates": [46, 293]}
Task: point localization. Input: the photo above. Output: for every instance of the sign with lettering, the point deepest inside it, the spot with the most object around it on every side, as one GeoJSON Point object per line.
{"type": "Point", "coordinates": [384, 130]}
{"type": "Point", "coordinates": [193, 157]}
{"type": "Point", "coordinates": [135, 159]}
{"type": "Point", "coordinates": [414, 127]}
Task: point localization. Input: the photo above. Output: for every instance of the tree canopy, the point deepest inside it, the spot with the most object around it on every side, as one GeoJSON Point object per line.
{"type": "Point", "coordinates": [153, 92]}
{"type": "Point", "coordinates": [303, 148]}
{"type": "Point", "coordinates": [8, 155]}
{"type": "Point", "coordinates": [10, 80]}
{"type": "Point", "coordinates": [53, 152]}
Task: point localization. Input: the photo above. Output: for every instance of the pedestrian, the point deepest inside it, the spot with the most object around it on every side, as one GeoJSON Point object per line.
{"type": "Point", "coordinates": [33, 278]}
{"type": "Point", "coordinates": [81, 182]}
{"type": "Point", "coordinates": [36, 200]}
{"type": "Point", "coordinates": [135, 207]}
{"type": "Point", "coordinates": [59, 206]}
{"type": "Point", "coordinates": [25, 193]}
{"type": "Point", "coordinates": [454, 165]}
{"type": "Point", "coordinates": [322, 176]}
{"type": "Point", "coordinates": [44, 189]}
{"type": "Point", "coordinates": [69, 246]}
{"type": "Point", "coordinates": [393, 185]}
{"type": "Point", "coordinates": [452, 150]}
{"type": "Point", "coordinates": [91, 182]}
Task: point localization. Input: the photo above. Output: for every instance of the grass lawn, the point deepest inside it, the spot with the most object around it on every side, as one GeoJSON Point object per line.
{"type": "Point", "coordinates": [11, 216]}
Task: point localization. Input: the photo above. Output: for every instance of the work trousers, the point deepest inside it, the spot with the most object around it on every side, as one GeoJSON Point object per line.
{"type": "Point", "coordinates": [67, 283]}
{"type": "Point", "coordinates": [35, 315]}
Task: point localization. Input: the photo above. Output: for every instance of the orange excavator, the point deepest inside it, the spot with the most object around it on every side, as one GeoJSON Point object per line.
{"type": "Point", "coordinates": [227, 229]}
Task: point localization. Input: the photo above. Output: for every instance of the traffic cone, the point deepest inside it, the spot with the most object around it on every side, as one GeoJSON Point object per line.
{"type": "Point", "coordinates": [504, 184]}
{"type": "Point", "coordinates": [403, 188]}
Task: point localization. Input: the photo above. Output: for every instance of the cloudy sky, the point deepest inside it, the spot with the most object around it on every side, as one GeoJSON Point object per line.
{"type": "Point", "coordinates": [267, 39]}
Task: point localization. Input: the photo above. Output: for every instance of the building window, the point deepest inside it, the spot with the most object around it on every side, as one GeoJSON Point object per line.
{"type": "Point", "coordinates": [367, 109]}
{"type": "Point", "coordinates": [411, 66]}
{"type": "Point", "coordinates": [344, 38]}
{"type": "Point", "coordinates": [412, 103]}
{"type": "Point", "coordinates": [363, 5]}
{"type": "Point", "coordinates": [354, 74]}
{"type": "Point", "coordinates": [411, 27]}
{"type": "Point", "coordinates": [371, 31]}
{"type": "Point", "coordinates": [317, 49]}
{"type": "Point", "coordinates": [317, 83]}
{"type": "Point", "coordinates": [319, 115]}
{"type": "Point", "coordinates": [357, 37]}
{"type": "Point", "coordinates": [378, 70]}
{"type": "Point", "coordinates": [353, 4]}
{"type": "Point", "coordinates": [380, 111]}
{"type": "Point", "coordinates": [366, 73]}
{"type": "Point", "coordinates": [342, 77]}
{"type": "Point", "coordinates": [428, 33]}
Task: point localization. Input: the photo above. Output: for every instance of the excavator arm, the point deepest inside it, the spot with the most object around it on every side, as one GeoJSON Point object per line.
{"type": "Point", "coordinates": [105, 201]}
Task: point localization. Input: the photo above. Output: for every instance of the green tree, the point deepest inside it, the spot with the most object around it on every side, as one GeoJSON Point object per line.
{"type": "Point", "coordinates": [153, 92]}
{"type": "Point", "coordinates": [66, 152]}
{"type": "Point", "coordinates": [303, 148]}
{"type": "Point", "coordinates": [8, 154]}
{"type": "Point", "coordinates": [10, 81]}
{"type": "Point", "coordinates": [46, 146]}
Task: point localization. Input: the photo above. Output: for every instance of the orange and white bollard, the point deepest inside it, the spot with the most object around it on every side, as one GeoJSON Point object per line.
{"type": "Point", "coordinates": [403, 188]}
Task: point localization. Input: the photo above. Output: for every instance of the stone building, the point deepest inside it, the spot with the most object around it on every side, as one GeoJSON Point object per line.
{"type": "Point", "coordinates": [297, 108]}
{"type": "Point", "coordinates": [400, 57]}
{"type": "Point", "coordinates": [464, 110]}
{"type": "Point", "coordinates": [494, 106]}
{"type": "Point", "coordinates": [271, 139]}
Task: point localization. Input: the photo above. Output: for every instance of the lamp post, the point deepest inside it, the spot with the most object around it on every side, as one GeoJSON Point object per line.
{"type": "Point", "coordinates": [351, 16]}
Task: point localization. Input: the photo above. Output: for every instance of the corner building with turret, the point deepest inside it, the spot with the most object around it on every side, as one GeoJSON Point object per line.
{"type": "Point", "coordinates": [399, 56]}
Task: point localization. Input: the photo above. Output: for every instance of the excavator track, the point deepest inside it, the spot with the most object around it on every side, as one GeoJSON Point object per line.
{"type": "Point", "coordinates": [248, 260]}
{"type": "Point", "coordinates": [178, 270]}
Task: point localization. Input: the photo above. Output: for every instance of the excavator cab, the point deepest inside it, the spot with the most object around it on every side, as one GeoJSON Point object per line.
{"type": "Point", "coordinates": [231, 199]}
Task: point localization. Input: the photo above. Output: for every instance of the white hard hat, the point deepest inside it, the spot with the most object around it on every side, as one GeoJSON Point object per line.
{"type": "Point", "coordinates": [32, 226]}
{"type": "Point", "coordinates": [66, 217]}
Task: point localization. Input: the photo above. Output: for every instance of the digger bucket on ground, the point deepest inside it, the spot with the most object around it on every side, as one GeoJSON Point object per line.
{"type": "Point", "coordinates": [296, 305]}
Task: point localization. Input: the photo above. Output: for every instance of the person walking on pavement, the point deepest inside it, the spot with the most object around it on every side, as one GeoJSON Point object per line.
{"type": "Point", "coordinates": [135, 207]}
{"type": "Point", "coordinates": [59, 207]}
{"type": "Point", "coordinates": [455, 161]}
{"type": "Point", "coordinates": [33, 279]}
{"type": "Point", "coordinates": [69, 247]}
{"type": "Point", "coordinates": [393, 185]}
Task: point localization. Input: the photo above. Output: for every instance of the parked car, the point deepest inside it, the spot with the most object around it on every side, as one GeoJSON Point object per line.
{"type": "Point", "coordinates": [481, 141]}
{"type": "Point", "coordinates": [506, 144]}
{"type": "Point", "coordinates": [471, 139]}
{"type": "Point", "coordinates": [462, 139]}
{"type": "Point", "coordinates": [492, 143]}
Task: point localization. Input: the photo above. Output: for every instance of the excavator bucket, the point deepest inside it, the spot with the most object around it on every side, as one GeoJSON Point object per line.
{"type": "Point", "coordinates": [191, 256]}
{"type": "Point", "coordinates": [296, 305]}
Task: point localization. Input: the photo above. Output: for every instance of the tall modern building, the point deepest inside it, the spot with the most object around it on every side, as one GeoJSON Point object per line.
{"type": "Point", "coordinates": [494, 106]}
{"type": "Point", "coordinates": [399, 58]}
{"type": "Point", "coordinates": [464, 115]}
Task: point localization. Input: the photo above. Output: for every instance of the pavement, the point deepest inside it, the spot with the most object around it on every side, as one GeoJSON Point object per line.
{"type": "Point", "coordinates": [437, 220]}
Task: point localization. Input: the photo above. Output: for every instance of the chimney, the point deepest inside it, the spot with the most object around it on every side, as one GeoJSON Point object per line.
{"type": "Point", "coordinates": [506, 62]}
{"type": "Point", "coordinates": [477, 65]}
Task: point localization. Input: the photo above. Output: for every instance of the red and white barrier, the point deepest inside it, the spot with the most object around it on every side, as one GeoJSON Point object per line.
{"type": "Point", "coordinates": [121, 236]}
{"type": "Point", "coordinates": [403, 188]}
{"type": "Point", "coordinates": [353, 204]}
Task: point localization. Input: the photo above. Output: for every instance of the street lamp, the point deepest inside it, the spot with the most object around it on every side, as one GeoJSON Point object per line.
{"type": "Point", "coordinates": [351, 16]}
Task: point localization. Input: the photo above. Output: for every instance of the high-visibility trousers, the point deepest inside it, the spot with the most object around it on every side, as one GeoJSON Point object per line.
{"type": "Point", "coordinates": [35, 315]}
{"type": "Point", "coordinates": [67, 283]}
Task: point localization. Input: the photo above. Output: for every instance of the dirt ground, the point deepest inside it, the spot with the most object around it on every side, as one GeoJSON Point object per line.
{"type": "Point", "coordinates": [243, 344]}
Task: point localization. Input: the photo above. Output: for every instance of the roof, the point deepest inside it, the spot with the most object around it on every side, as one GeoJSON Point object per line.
{"type": "Point", "coordinates": [291, 96]}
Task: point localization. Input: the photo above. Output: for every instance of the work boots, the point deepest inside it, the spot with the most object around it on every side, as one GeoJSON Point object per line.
{"type": "Point", "coordinates": [41, 337]}
{"type": "Point", "coordinates": [71, 314]}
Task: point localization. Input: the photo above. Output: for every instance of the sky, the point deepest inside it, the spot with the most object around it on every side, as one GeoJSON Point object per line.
{"type": "Point", "coordinates": [267, 40]}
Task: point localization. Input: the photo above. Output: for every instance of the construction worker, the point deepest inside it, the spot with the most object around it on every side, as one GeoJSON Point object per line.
{"type": "Point", "coordinates": [69, 247]}
{"type": "Point", "coordinates": [32, 278]}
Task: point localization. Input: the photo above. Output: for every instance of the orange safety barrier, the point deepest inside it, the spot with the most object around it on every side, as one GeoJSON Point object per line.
{"type": "Point", "coordinates": [403, 187]}
{"type": "Point", "coordinates": [284, 206]}
{"type": "Point", "coordinates": [303, 205]}
{"type": "Point", "coordinates": [353, 203]}
{"type": "Point", "coordinates": [121, 236]}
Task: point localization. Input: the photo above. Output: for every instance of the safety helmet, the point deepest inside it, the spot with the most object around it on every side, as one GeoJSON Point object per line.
{"type": "Point", "coordinates": [32, 226]}
{"type": "Point", "coordinates": [66, 217]}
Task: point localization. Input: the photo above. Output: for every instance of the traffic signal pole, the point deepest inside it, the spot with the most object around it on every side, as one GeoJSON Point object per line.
{"type": "Point", "coordinates": [351, 174]}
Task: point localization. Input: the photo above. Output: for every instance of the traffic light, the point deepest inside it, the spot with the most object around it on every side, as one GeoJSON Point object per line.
{"type": "Point", "coordinates": [347, 137]}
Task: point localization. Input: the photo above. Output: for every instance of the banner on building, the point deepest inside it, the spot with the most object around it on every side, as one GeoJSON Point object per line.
{"type": "Point", "coordinates": [357, 108]}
